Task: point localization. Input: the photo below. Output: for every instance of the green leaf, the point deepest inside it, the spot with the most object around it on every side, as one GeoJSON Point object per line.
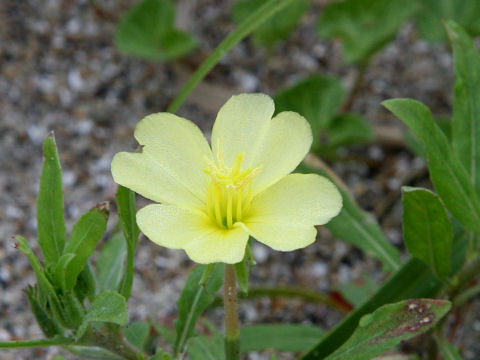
{"type": "Point", "coordinates": [278, 26]}
{"type": "Point", "coordinates": [432, 12]}
{"type": "Point", "coordinates": [50, 220]}
{"type": "Point", "coordinates": [356, 292]}
{"type": "Point", "coordinates": [413, 280]}
{"type": "Point", "coordinates": [448, 351]}
{"type": "Point", "coordinates": [241, 272]}
{"type": "Point", "coordinates": [137, 334]}
{"type": "Point", "coordinates": [148, 31]}
{"type": "Point", "coordinates": [108, 306]}
{"type": "Point", "coordinates": [193, 300]}
{"type": "Point", "coordinates": [292, 338]}
{"type": "Point", "coordinates": [49, 326]}
{"type": "Point", "coordinates": [127, 213]}
{"type": "Point", "coordinates": [466, 101]}
{"type": "Point", "coordinates": [446, 171]}
{"type": "Point", "coordinates": [348, 129]}
{"type": "Point", "coordinates": [364, 26]}
{"type": "Point", "coordinates": [206, 348]}
{"type": "Point", "coordinates": [47, 294]}
{"type": "Point", "coordinates": [358, 228]}
{"type": "Point", "coordinates": [427, 230]}
{"type": "Point", "coordinates": [86, 232]}
{"type": "Point", "coordinates": [110, 263]}
{"type": "Point", "coordinates": [389, 325]}
{"type": "Point", "coordinates": [60, 271]}
{"type": "Point", "coordinates": [317, 98]}
{"type": "Point", "coordinates": [86, 285]}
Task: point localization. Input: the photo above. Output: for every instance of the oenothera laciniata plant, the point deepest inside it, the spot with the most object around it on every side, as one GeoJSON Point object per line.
{"type": "Point", "coordinates": [214, 198]}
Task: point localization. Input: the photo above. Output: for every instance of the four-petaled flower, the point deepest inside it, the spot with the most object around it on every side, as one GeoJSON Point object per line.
{"type": "Point", "coordinates": [213, 198]}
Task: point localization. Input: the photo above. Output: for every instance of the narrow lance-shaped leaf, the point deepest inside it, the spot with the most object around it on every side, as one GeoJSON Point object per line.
{"type": "Point", "coordinates": [293, 338]}
{"type": "Point", "coordinates": [110, 263]}
{"type": "Point", "coordinates": [50, 220]}
{"type": "Point", "coordinates": [413, 280]}
{"type": "Point", "coordinates": [466, 102]}
{"type": "Point", "coordinates": [193, 300]}
{"type": "Point", "coordinates": [127, 214]}
{"type": "Point", "coordinates": [109, 306]}
{"type": "Point", "coordinates": [86, 232]}
{"type": "Point", "coordinates": [387, 326]}
{"type": "Point", "coordinates": [360, 229]}
{"type": "Point", "coordinates": [449, 176]}
{"type": "Point", "coordinates": [427, 230]}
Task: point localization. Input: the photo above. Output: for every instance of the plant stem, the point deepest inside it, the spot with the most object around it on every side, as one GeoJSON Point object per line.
{"type": "Point", "coordinates": [232, 328]}
{"type": "Point", "coordinates": [111, 341]}
{"type": "Point", "coordinates": [257, 18]}
{"type": "Point", "coordinates": [36, 343]}
{"type": "Point", "coordinates": [357, 85]}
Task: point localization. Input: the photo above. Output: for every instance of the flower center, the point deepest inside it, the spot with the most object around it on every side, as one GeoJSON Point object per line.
{"type": "Point", "coordinates": [230, 191]}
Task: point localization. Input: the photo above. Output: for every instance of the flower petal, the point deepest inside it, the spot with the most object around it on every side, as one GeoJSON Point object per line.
{"type": "Point", "coordinates": [193, 231]}
{"type": "Point", "coordinates": [285, 145]}
{"type": "Point", "coordinates": [241, 125]}
{"type": "Point", "coordinates": [170, 167]}
{"type": "Point", "coordinates": [284, 215]}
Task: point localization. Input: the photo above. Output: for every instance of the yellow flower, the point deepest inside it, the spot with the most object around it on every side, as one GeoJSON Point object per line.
{"type": "Point", "coordinates": [213, 199]}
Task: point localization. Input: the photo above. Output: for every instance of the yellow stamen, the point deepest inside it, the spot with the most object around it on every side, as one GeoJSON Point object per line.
{"type": "Point", "coordinates": [230, 191]}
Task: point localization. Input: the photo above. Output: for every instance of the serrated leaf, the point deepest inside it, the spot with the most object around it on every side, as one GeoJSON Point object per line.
{"type": "Point", "coordinates": [277, 27]}
{"type": "Point", "coordinates": [86, 232]}
{"type": "Point", "coordinates": [193, 300]}
{"type": "Point", "coordinates": [110, 263]}
{"type": "Point", "coordinates": [108, 306]}
{"type": "Point", "coordinates": [359, 228]}
{"type": "Point", "coordinates": [137, 334]}
{"type": "Point", "coordinates": [147, 31]}
{"type": "Point", "coordinates": [292, 338]}
{"type": "Point", "coordinates": [127, 214]}
{"type": "Point", "coordinates": [431, 13]}
{"type": "Point", "coordinates": [427, 230]}
{"type": "Point", "coordinates": [390, 324]}
{"type": "Point", "coordinates": [364, 26]}
{"type": "Point", "coordinates": [50, 219]}
{"type": "Point", "coordinates": [450, 178]}
{"type": "Point", "coordinates": [466, 101]}
{"type": "Point", "coordinates": [317, 98]}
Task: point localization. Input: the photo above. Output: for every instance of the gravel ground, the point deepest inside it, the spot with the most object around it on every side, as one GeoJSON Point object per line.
{"type": "Point", "coordinates": [60, 71]}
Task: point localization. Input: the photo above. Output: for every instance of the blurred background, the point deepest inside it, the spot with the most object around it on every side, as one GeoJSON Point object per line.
{"type": "Point", "coordinates": [72, 67]}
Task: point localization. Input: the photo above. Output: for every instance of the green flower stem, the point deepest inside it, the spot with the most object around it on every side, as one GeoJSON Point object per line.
{"type": "Point", "coordinates": [36, 343]}
{"type": "Point", "coordinates": [463, 298]}
{"type": "Point", "coordinates": [232, 328]}
{"type": "Point", "coordinates": [245, 28]}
